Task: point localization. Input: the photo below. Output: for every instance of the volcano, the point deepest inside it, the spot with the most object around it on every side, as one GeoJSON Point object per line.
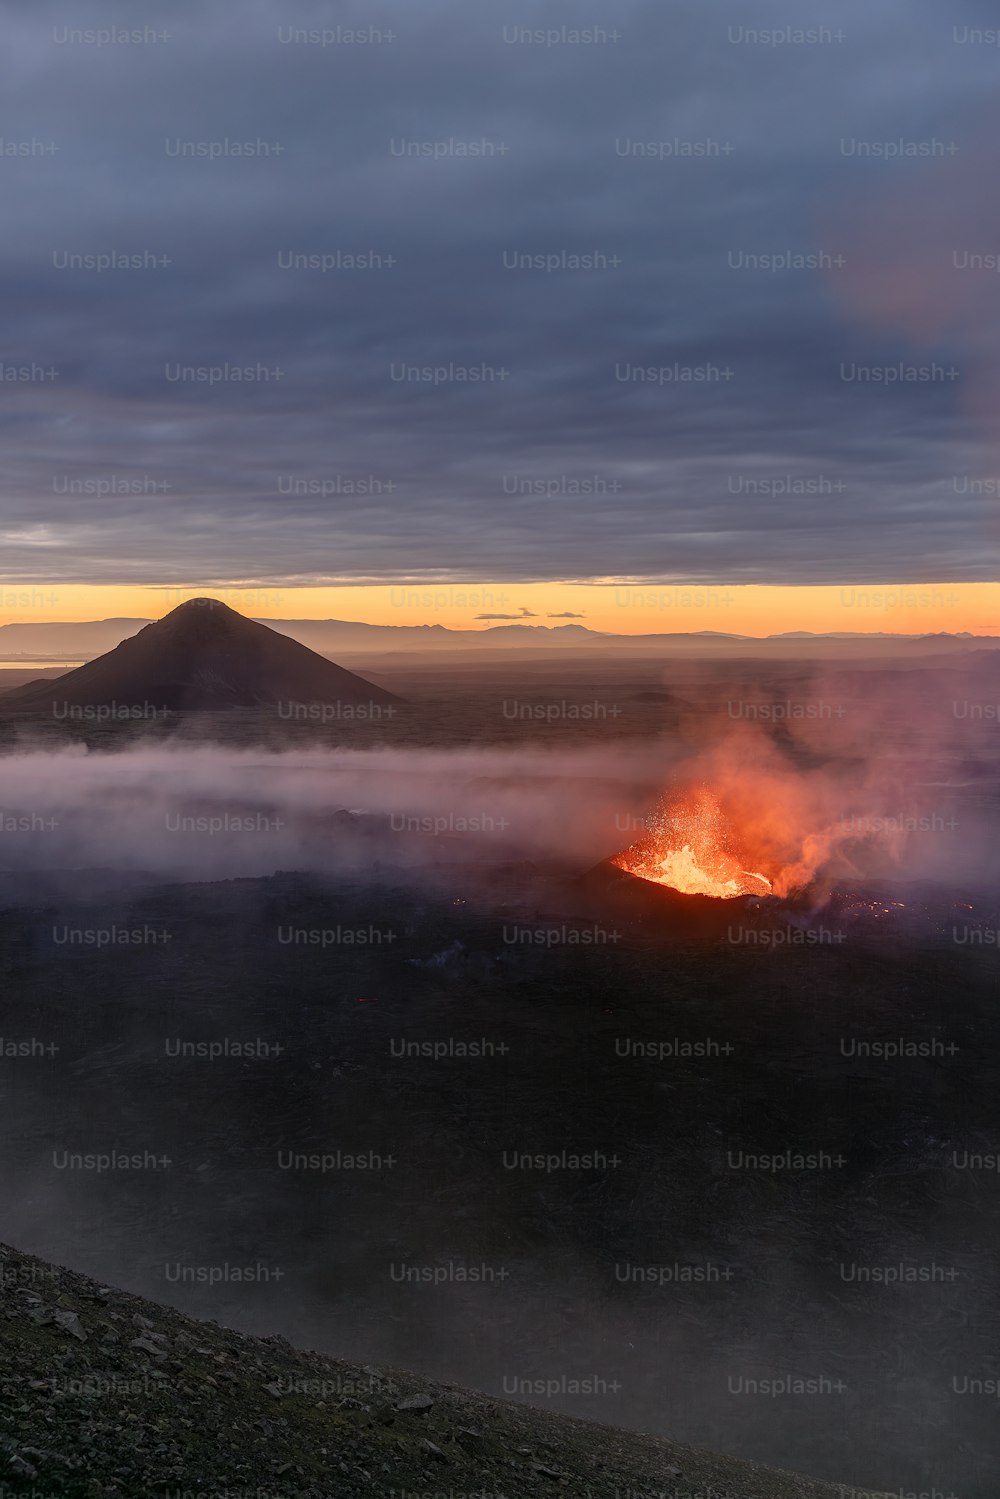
{"type": "Point", "coordinates": [690, 848]}
{"type": "Point", "coordinates": [202, 656]}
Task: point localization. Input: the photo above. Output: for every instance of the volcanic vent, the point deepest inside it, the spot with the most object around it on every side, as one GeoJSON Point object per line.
{"type": "Point", "coordinates": [202, 655]}
{"type": "Point", "coordinates": [689, 846]}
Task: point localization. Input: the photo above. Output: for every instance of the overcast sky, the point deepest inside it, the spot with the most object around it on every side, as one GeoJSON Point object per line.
{"type": "Point", "coordinates": [252, 480]}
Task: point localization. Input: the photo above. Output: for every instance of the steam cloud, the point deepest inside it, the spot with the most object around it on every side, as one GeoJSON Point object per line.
{"type": "Point", "coordinates": [212, 812]}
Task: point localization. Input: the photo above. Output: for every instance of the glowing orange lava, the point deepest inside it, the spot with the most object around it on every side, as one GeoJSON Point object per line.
{"type": "Point", "coordinates": [689, 847]}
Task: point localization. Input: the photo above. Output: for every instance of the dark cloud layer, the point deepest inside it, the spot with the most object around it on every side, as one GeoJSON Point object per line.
{"type": "Point", "coordinates": [756, 454]}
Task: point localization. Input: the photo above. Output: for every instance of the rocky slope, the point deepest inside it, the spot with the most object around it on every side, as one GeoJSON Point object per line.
{"type": "Point", "coordinates": [105, 1394]}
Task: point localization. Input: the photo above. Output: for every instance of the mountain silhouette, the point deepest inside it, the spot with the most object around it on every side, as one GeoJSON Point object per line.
{"type": "Point", "coordinates": [202, 655]}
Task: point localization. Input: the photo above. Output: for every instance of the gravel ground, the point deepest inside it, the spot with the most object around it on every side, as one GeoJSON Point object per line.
{"type": "Point", "coordinates": [105, 1393]}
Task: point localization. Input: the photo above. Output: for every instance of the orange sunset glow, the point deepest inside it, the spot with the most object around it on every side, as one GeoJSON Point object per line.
{"type": "Point", "coordinates": [625, 608]}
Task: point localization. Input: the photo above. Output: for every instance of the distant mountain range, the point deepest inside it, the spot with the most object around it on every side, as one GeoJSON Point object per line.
{"type": "Point", "coordinates": [83, 640]}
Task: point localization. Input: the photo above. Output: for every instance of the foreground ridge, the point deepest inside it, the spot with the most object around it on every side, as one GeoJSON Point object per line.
{"type": "Point", "coordinates": [105, 1393]}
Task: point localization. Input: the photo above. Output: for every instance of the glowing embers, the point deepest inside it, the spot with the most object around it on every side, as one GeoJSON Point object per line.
{"type": "Point", "coordinates": [690, 847]}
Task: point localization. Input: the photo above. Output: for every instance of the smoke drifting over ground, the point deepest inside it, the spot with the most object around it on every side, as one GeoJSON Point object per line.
{"type": "Point", "coordinates": [211, 812]}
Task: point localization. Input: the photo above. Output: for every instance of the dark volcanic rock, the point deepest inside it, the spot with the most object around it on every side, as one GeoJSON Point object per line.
{"type": "Point", "coordinates": [219, 1411]}
{"type": "Point", "coordinates": [613, 893]}
{"type": "Point", "coordinates": [203, 655]}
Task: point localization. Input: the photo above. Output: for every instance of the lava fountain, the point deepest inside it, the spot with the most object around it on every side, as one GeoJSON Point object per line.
{"type": "Point", "coordinates": [689, 846]}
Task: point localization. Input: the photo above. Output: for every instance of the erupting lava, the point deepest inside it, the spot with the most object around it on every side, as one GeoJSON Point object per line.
{"type": "Point", "coordinates": [687, 848]}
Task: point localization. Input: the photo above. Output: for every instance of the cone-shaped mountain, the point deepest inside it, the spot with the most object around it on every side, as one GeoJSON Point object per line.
{"type": "Point", "coordinates": [202, 655]}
